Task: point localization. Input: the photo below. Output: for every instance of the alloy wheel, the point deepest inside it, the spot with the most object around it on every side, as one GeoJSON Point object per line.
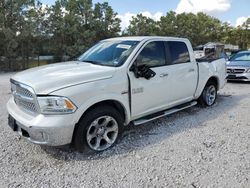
{"type": "Point", "coordinates": [102, 133]}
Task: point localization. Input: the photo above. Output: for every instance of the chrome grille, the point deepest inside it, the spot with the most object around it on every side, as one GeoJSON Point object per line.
{"type": "Point", "coordinates": [235, 71]}
{"type": "Point", "coordinates": [23, 92]}
{"type": "Point", "coordinates": [27, 105]}
{"type": "Point", "coordinates": [24, 97]}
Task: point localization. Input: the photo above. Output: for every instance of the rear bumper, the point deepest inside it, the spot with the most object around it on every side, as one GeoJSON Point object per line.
{"type": "Point", "coordinates": [239, 77]}
{"type": "Point", "coordinates": [52, 130]}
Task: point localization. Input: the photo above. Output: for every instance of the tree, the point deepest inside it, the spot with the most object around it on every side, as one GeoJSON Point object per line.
{"type": "Point", "coordinates": [199, 28]}
{"type": "Point", "coordinates": [75, 25]}
{"type": "Point", "coordinates": [246, 34]}
{"type": "Point", "coordinates": [238, 36]}
{"type": "Point", "coordinates": [142, 25]}
{"type": "Point", "coordinates": [12, 20]}
{"type": "Point", "coordinates": [105, 19]}
{"type": "Point", "coordinates": [168, 25]}
{"type": "Point", "coordinates": [28, 28]}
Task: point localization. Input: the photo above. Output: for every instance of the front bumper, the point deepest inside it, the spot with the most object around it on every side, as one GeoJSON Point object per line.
{"type": "Point", "coordinates": [239, 77]}
{"type": "Point", "coordinates": [52, 130]}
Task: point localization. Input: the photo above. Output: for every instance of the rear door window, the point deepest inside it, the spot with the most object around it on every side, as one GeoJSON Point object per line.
{"type": "Point", "coordinates": [178, 52]}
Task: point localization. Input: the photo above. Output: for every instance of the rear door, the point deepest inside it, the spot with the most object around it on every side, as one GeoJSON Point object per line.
{"type": "Point", "coordinates": [182, 71]}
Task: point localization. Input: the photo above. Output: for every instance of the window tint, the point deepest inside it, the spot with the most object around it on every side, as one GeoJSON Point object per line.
{"type": "Point", "coordinates": [178, 52]}
{"type": "Point", "coordinates": [152, 55]}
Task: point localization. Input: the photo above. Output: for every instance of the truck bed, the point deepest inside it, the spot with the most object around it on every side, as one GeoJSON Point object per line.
{"type": "Point", "coordinates": [208, 69]}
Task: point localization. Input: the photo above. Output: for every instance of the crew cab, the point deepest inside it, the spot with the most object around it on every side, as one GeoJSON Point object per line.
{"type": "Point", "coordinates": [117, 82]}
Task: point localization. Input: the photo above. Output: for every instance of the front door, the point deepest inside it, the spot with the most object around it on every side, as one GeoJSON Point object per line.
{"type": "Point", "coordinates": [150, 95]}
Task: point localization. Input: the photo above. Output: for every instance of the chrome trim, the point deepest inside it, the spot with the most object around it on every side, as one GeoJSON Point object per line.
{"type": "Point", "coordinates": [245, 80]}
{"type": "Point", "coordinates": [236, 70]}
{"type": "Point", "coordinates": [25, 98]}
{"type": "Point", "coordinates": [167, 112]}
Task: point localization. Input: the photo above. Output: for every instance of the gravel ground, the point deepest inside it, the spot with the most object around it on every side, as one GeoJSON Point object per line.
{"type": "Point", "coordinates": [194, 148]}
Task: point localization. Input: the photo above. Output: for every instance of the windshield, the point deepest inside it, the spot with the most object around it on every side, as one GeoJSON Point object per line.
{"type": "Point", "coordinates": [241, 57]}
{"type": "Point", "coordinates": [109, 53]}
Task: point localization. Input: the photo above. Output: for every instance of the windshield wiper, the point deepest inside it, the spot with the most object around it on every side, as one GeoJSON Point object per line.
{"type": "Point", "coordinates": [97, 63]}
{"type": "Point", "coordinates": [92, 62]}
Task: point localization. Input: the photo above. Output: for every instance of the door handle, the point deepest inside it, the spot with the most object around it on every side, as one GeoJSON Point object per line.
{"type": "Point", "coordinates": [163, 75]}
{"type": "Point", "coordinates": [191, 70]}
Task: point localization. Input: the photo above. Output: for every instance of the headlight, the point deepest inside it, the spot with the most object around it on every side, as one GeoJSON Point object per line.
{"type": "Point", "coordinates": [56, 105]}
{"type": "Point", "coordinates": [248, 70]}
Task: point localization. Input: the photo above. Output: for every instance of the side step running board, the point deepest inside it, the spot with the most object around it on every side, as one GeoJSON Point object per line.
{"type": "Point", "coordinates": [164, 113]}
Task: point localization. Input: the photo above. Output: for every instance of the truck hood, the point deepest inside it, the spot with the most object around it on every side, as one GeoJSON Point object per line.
{"type": "Point", "coordinates": [48, 78]}
{"type": "Point", "coordinates": [238, 64]}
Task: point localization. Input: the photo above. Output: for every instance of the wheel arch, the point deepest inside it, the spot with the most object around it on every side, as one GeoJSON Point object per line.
{"type": "Point", "coordinates": [203, 102]}
{"type": "Point", "coordinates": [202, 84]}
{"type": "Point", "coordinates": [108, 102]}
{"type": "Point", "coordinates": [215, 80]}
{"type": "Point", "coordinates": [121, 108]}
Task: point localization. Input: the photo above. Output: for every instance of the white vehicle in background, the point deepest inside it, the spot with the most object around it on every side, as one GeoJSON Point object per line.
{"type": "Point", "coordinates": [212, 50]}
{"type": "Point", "coordinates": [119, 81]}
{"type": "Point", "coordinates": [199, 54]}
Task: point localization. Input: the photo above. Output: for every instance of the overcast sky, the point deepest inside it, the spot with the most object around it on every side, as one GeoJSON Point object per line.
{"type": "Point", "coordinates": [232, 11]}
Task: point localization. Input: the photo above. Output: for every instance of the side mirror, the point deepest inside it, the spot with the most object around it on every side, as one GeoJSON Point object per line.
{"type": "Point", "coordinates": [142, 71]}
{"type": "Point", "coordinates": [134, 69]}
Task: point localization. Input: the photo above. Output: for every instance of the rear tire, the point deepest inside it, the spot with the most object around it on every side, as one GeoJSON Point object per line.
{"type": "Point", "coordinates": [98, 130]}
{"type": "Point", "coordinates": [209, 95]}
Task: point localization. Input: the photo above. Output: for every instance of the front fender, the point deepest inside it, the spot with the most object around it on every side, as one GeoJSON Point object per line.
{"type": "Point", "coordinates": [92, 101]}
{"type": "Point", "coordinates": [86, 95]}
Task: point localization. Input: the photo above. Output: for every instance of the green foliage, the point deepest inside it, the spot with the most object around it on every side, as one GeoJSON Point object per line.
{"type": "Point", "coordinates": [105, 19]}
{"type": "Point", "coordinates": [142, 25]}
{"type": "Point", "coordinates": [199, 28]}
{"type": "Point", "coordinates": [29, 29]}
{"type": "Point", "coordinates": [66, 29]}
{"type": "Point", "coordinates": [76, 25]}
{"type": "Point", "coordinates": [12, 21]}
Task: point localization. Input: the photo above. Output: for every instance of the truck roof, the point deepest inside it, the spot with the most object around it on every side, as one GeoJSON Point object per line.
{"type": "Point", "coordinates": [141, 38]}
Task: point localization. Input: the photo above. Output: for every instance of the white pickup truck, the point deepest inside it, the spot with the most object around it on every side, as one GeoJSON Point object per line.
{"type": "Point", "coordinates": [119, 81]}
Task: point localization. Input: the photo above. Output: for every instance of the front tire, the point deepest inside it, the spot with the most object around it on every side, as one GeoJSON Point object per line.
{"type": "Point", "coordinates": [209, 95]}
{"type": "Point", "coordinates": [98, 130]}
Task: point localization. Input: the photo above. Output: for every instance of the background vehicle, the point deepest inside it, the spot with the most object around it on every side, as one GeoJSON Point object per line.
{"type": "Point", "coordinates": [238, 66]}
{"type": "Point", "coordinates": [212, 50]}
{"type": "Point", "coordinates": [116, 82]}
